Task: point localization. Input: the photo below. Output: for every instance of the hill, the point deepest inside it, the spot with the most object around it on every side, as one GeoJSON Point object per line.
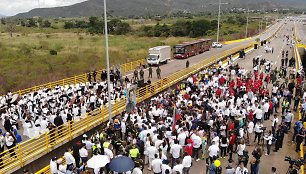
{"type": "Point", "coordinates": [1, 16]}
{"type": "Point", "coordinates": [154, 7]}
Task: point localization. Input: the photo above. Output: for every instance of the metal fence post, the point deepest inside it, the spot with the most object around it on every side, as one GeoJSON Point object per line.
{"type": "Point", "coordinates": [70, 130]}
{"type": "Point", "coordinates": [87, 121]}
{"type": "Point", "coordinates": [20, 155]}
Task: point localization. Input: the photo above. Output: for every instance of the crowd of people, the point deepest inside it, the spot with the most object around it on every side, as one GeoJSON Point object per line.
{"type": "Point", "coordinates": [43, 110]}
{"type": "Point", "coordinates": [214, 114]}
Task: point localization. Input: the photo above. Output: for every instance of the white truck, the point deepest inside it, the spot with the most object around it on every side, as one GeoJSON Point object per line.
{"type": "Point", "coordinates": [159, 54]}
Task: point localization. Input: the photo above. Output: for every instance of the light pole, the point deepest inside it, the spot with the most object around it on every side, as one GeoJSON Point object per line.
{"type": "Point", "coordinates": [219, 13]}
{"type": "Point", "coordinates": [247, 23]}
{"type": "Point", "coordinates": [218, 31]}
{"type": "Point", "coordinates": [107, 64]}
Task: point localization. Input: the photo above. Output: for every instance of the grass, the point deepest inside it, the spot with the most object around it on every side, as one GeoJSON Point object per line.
{"type": "Point", "coordinates": [25, 60]}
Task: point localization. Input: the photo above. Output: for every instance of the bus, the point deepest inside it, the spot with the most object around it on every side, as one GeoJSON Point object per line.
{"type": "Point", "coordinates": [189, 49]}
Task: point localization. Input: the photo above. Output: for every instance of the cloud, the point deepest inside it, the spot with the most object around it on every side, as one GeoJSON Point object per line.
{"type": "Point", "coordinates": [12, 7]}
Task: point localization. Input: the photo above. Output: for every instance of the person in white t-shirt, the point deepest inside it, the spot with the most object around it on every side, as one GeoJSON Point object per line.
{"type": "Point", "coordinates": [269, 139]}
{"type": "Point", "coordinates": [197, 141]}
{"type": "Point", "coordinates": [166, 167]}
{"type": "Point", "coordinates": [187, 162]}
{"type": "Point", "coordinates": [152, 151]}
{"type": "Point", "coordinates": [175, 151]}
{"type": "Point", "coordinates": [241, 169]}
{"type": "Point", "coordinates": [213, 150]}
{"type": "Point", "coordinates": [181, 138]}
{"type": "Point", "coordinates": [136, 170]}
{"type": "Point", "coordinates": [178, 167]}
{"type": "Point", "coordinates": [157, 164]}
{"type": "Point", "coordinates": [250, 130]}
{"type": "Point", "coordinates": [274, 123]}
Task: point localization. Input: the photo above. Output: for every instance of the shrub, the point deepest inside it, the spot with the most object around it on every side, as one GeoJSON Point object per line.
{"type": "Point", "coordinates": [53, 52]}
{"type": "Point", "coordinates": [81, 38]}
{"type": "Point", "coordinates": [25, 49]}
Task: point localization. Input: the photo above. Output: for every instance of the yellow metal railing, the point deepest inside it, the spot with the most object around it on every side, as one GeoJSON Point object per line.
{"type": "Point", "coordinates": [297, 66]}
{"type": "Point", "coordinates": [235, 41]}
{"type": "Point", "coordinates": [80, 78]}
{"type": "Point", "coordinates": [98, 116]}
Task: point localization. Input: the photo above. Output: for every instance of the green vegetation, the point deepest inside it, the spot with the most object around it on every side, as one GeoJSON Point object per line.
{"type": "Point", "coordinates": [35, 51]}
{"type": "Point", "coordinates": [30, 60]}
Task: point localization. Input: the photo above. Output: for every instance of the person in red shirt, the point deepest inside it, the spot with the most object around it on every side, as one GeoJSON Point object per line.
{"type": "Point", "coordinates": [299, 81]}
{"type": "Point", "coordinates": [218, 92]}
{"type": "Point", "coordinates": [222, 80]}
{"type": "Point", "coordinates": [251, 115]}
{"type": "Point", "coordinates": [194, 78]}
{"type": "Point", "coordinates": [267, 79]}
{"type": "Point", "coordinates": [230, 126]}
{"type": "Point", "coordinates": [250, 81]}
{"type": "Point", "coordinates": [232, 92]}
{"type": "Point", "coordinates": [186, 96]}
{"type": "Point", "coordinates": [270, 108]}
{"type": "Point", "coordinates": [232, 142]}
{"type": "Point", "coordinates": [256, 75]}
{"type": "Point", "coordinates": [262, 93]}
{"type": "Point", "coordinates": [189, 147]}
{"type": "Point", "coordinates": [261, 76]}
{"type": "Point", "coordinates": [232, 84]}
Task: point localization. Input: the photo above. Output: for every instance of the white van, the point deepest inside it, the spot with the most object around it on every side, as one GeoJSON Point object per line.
{"type": "Point", "coordinates": [159, 54]}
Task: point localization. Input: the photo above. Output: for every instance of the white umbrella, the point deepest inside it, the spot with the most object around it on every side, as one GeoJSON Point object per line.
{"type": "Point", "coordinates": [97, 161]}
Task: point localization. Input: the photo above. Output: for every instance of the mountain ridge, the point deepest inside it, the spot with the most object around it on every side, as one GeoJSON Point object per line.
{"type": "Point", "coordinates": [154, 7]}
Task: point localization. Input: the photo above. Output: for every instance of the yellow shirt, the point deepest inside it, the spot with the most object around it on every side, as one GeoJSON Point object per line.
{"type": "Point", "coordinates": [134, 153]}
{"type": "Point", "coordinates": [106, 144]}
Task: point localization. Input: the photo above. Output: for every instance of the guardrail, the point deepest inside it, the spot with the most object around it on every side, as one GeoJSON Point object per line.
{"type": "Point", "coordinates": [297, 66]}
{"type": "Point", "coordinates": [235, 41]}
{"type": "Point", "coordinates": [31, 150]}
{"type": "Point", "coordinates": [80, 78]}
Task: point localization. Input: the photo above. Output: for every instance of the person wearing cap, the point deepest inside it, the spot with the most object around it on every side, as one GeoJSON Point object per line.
{"type": "Point", "coordinates": [10, 143]}
{"type": "Point", "coordinates": [53, 166]}
{"type": "Point", "coordinates": [83, 153]}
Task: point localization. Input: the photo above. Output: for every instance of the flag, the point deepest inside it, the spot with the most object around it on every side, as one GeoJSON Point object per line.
{"type": "Point", "coordinates": [176, 116]}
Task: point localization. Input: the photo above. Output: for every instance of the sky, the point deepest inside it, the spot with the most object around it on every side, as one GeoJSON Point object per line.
{"type": "Point", "coordinates": [12, 7]}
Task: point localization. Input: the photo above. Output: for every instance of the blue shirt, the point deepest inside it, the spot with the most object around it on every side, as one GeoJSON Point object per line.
{"type": "Point", "coordinates": [212, 169]}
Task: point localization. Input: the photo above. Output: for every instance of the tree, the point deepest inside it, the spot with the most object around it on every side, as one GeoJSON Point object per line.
{"type": "Point", "coordinates": [214, 24]}
{"type": "Point", "coordinates": [81, 24]}
{"type": "Point", "coordinates": [22, 23]}
{"type": "Point", "coordinates": [40, 22]}
{"type": "Point", "coordinates": [180, 28]}
{"type": "Point", "coordinates": [10, 28]}
{"type": "Point", "coordinates": [3, 22]}
{"type": "Point", "coordinates": [116, 26]}
{"type": "Point", "coordinates": [46, 24]}
{"type": "Point", "coordinates": [241, 20]}
{"type": "Point", "coordinates": [231, 20]}
{"type": "Point", "coordinates": [68, 25]}
{"type": "Point", "coordinates": [31, 22]}
{"type": "Point", "coordinates": [199, 28]}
